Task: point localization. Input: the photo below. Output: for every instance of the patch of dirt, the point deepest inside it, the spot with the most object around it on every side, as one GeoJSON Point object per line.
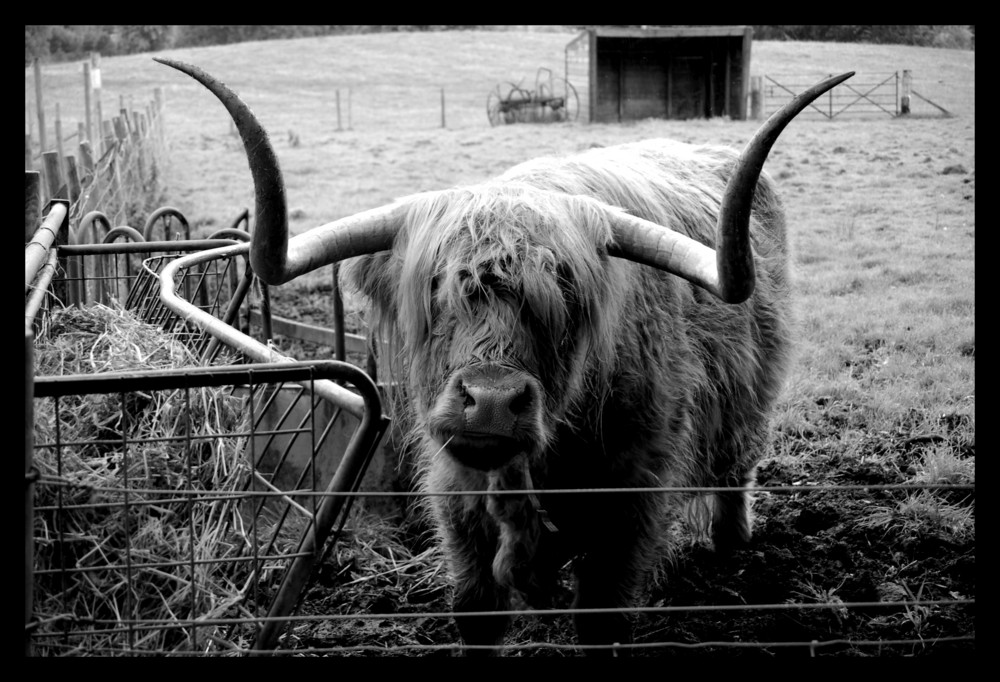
{"type": "Point", "coordinates": [823, 548]}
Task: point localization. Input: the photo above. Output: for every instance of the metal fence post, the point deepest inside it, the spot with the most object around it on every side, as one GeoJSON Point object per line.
{"type": "Point", "coordinates": [904, 99]}
{"type": "Point", "coordinates": [29, 485]}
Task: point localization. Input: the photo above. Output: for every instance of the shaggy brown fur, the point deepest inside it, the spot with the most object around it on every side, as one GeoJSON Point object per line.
{"type": "Point", "coordinates": [631, 377]}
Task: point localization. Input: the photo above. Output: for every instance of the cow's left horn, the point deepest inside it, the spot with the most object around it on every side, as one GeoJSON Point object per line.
{"type": "Point", "coordinates": [275, 258]}
{"type": "Point", "coordinates": [728, 270]}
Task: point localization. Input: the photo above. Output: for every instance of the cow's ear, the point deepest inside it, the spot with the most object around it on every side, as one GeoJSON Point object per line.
{"type": "Point", "coordinates": [374, 278]}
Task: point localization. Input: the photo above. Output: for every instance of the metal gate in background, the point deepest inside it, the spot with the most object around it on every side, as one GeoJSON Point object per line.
{"type": "Point", "coordinates": [864, 94]}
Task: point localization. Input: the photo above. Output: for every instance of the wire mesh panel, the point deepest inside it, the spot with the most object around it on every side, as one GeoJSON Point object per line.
{"type": "Point", "coordinates": [125, 275]}
{"type": "Point", "coordinates": [216, 288]}
{"type": "Point", "coordinates": [169, 513]}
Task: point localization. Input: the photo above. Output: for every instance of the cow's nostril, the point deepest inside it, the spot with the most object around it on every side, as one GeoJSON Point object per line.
{"type": "Point", "coordinates": [521, 401]}
{"type": "Point", "coordinates": [467, 399]}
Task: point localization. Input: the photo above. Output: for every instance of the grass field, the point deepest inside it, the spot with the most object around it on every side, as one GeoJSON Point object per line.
{"type": "Point", "coordinates": [882, 221]}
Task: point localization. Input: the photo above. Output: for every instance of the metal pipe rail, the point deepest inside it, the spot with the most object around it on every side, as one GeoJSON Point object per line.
{"type": "Point", "coordinates": [36, 251]}
{"type": "Point", "coordinates": [232, 337]}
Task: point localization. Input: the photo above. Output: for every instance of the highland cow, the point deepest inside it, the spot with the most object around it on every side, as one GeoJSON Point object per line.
{"type": "Point", "coordinates": [614, 319]}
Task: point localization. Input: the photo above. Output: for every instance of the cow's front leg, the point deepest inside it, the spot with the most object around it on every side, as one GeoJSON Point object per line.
{"type": "Point", "coordinates": [471, 543]}
{"type": "Point", "coordinates": [611, 572]}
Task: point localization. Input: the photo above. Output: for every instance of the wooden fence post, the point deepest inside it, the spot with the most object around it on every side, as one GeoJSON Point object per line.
{"type": "Point", "coordinates": [50, 161]}
{"type": "Point", "coordinates": [158, 99]}
{"type": "Point", "coordinates": [757, 98]}
{"type": "Point", "coordinates": [39, 106]}
{"type": "Point", "coordinates": [442, 108]}
{"type": "Point", "coordinates": [904, 99]}
{"type": "Point", "coordinates": [32, 203]}
{"type": "Point", "coordinates": [72, 179]}
{"type": "Point", "coordinates": [122, 160]}
{"type": "Point", "coordinates": [136, 125]}
{"type": "Point", "coordinates": [338, 110]}
{"type": "Point", "coordinates": [137, 133]}
{"type": "Point", "coordinates": [87, 155]}
{"type": "Point", "coordinates": [91, 179]}
{"type": "Point", "coordinates": [113, 136]}
{"type": "Point", "coordinates": [126, 121]}
{"type": "Point", "coordinates": [95, 81]}
{"type": "Point", "coordinates": [59, 142]}
{"type": "Point", "coordinates": [87, 90]}
{"type": "Point", "coordinates": [121, 128]}
{"type": "Point", "coordinates": [108, 137]}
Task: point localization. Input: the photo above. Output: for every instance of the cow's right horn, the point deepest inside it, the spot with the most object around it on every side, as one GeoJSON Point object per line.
{"type": "Point", "coordinates": [275, 258]}
{"type": "Point", "coordinates": [728, 270]}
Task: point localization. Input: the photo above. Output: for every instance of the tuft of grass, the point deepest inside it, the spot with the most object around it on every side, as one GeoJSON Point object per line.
{"type": "Point", "coordinates": [941, 465]}
{"type": "Point", "coordinates": [923, 515]}
{"type": "Point", "coordinates": [810, 593]}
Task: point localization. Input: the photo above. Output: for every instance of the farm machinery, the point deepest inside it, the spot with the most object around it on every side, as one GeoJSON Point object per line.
{"type": "Point", "coordinates": [553, 100]}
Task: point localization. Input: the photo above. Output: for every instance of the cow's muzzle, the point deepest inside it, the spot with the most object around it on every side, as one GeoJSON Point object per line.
{"type": "Point", "coordinates": [487, 415]}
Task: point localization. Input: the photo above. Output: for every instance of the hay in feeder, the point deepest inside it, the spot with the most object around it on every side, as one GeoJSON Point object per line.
{"type": "Point", "coordinates": [122, 546]}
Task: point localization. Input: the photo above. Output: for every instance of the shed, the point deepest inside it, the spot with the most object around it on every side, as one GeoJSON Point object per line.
{"type": "Point", "coordinates": [624, 74]}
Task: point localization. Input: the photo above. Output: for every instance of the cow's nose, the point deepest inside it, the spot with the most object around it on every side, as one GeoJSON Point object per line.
{"type": "Point", "coordinates": [492, 407]}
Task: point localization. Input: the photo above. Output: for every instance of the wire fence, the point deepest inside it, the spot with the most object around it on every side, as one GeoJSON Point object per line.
{"type": "Point", "coordinates": [114, 163]}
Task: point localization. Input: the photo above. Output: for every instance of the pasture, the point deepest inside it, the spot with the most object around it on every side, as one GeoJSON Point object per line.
{"type": "Point", "coordinates": [881, 215]}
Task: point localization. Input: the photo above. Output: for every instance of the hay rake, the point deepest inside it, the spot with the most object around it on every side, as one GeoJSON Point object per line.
{"type": "Point", "coordinates": [553, 100]}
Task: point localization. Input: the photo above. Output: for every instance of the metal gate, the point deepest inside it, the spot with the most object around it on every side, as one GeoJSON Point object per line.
{"type": "Point", "coordinates": [864, 94]}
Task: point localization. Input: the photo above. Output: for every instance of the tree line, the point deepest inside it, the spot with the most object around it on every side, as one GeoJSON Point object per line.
{"type": "Point", "coordinates": [63, 43]}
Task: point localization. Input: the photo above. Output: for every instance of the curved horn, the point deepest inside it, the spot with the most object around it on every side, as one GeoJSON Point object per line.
{"type": "Point", "coordinates": [275, 258]}
{"type": "Point", "coordinates": [728, 270]}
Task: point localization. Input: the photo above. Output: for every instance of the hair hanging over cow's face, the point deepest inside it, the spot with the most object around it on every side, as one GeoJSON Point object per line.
{"type": "Point", "coordinates": [498, 277]}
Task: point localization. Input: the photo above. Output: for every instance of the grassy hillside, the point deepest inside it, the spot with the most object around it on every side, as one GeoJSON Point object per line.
{"type": "Point", "coordinates": [396, 145]}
